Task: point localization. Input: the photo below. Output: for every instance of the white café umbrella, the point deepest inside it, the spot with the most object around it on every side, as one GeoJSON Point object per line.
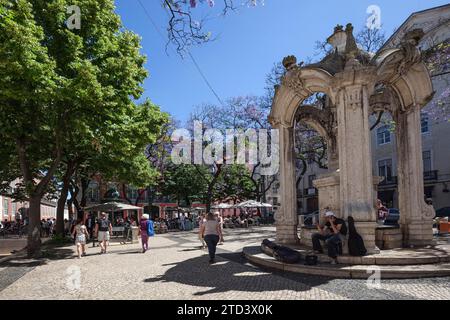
{"type": "Point", "coordinates": [112, 206]}
{"type": "Point", "coordinates": [222, 206]}
{"type": "Point", "coordinates": [252, 204]}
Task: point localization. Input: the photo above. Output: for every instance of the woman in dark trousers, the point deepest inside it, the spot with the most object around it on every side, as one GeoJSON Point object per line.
{"type": "Point", "coordinates": [211, 231]}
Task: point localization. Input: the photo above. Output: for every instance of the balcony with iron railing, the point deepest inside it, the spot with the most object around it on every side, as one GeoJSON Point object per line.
{"type": "Point", "coordinates": [309, 192]}
{"type": "Point", "coordinates": [392, 180]}
{"type": "Point", "coordinates": [389, 181]}
{"type": "Point", "coordinates": [430, 175]}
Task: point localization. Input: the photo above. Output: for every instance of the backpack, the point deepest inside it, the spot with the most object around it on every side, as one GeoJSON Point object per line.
{"type": "Point", "coordinates": [150, 228]}
{"type": "Point", "coordinates": [356, 245]}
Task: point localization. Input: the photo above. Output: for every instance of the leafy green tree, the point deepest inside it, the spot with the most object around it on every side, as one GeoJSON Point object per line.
{"type": "Point", "coordinates": [31, 122]}
{"type": "Point", "coordinates": [183, 183]}
{"type": "Point", "coordinates": [68, 96]}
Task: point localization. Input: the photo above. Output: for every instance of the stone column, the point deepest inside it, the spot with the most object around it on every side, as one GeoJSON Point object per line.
{"type": "Point", "coordinates": [415, 215]}
{"type": "Point", "coordinates": [329, 195]}
{"type": "Point", "coordinates": [355, 162]}
{"type": "Point", "coordinates": [286, 217]}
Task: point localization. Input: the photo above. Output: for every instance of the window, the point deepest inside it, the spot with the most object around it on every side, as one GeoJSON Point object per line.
{"type": "Point", "coordinates": [385, 169]}
{"type": "Point", "coordinates": [5, 207]}
{"type": "Point", "coordinates": [424, 123]}
{"type": "Point", "coordinates": [93, 192]}
{"type": "Point", "coordinates": [383, 135]}
{"type": "Point", "coordinates": [426, 156]}
{"type": "Point", "coordinates": [14, 207]}
{"type": "Point", "coordinates": [132, 193]}
{"type": "Point", "coordinates": [311, 178]}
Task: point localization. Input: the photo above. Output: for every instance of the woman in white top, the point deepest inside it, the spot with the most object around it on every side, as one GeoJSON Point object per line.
{"type": "Point", "coordinates": [81, 234]}
{"type": "Point", "coordinates": [210, 230]}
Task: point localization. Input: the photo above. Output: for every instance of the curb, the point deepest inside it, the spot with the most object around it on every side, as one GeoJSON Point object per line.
{"type": "Point", "coordinates": [352, 271]}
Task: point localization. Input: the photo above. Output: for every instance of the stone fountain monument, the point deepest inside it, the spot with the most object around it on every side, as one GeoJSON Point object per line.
{"type": "Point", "coordinates": [356, 85]}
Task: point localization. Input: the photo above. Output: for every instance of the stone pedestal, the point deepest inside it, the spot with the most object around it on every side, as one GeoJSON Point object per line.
{"type": "Point", "coordinates": [367, 231]}
{"type": "Point", "coordinates": [388, 237]}
{"type": "Point", "coordinates": [328, 190]}
{"type": "Point", "coordinates": [287, 234]}
{"type": "Point", "coordinates": [417, 233]}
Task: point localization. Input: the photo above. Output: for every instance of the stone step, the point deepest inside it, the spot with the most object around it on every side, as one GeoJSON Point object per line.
{"type": "Point", "coordinates": [257, 257]}
{"type": "Point", "coordinates": [436, 254]}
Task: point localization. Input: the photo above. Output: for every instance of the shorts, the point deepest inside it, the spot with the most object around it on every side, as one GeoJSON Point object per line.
{"type": "Point", "coordinates": [81, 239]}
{"type": "Point", "coordinates": [103, 236]}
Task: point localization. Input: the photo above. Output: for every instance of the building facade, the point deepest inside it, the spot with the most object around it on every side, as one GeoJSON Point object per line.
{"type": "Point", "coordinates": [435, 125]}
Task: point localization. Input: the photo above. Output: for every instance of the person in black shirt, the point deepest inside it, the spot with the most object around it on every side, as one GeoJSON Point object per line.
{"type": "Point", "coordinates": [331, 233]}
{"type": "Point", "coordinates": [103, 232]}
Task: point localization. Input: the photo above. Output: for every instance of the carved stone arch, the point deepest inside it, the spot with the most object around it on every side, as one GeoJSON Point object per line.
{"type": "Point", "coordinates": [403, 71]}
{"type": "Point", "coordinates": [322, 121]}
{"type": "Point", "coordinates": [297, 85]}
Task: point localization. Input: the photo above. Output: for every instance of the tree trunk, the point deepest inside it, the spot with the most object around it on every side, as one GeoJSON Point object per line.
{"type": "Point", "coordinates": [82, 204]}
{"type": "Point", "coordinates": [34, 227]}
{"type": "Point", "coordinates": [62, 200]}
{"type": "Point", "coordinates": [124, 193]}
{"type": "Point", "coordinates": [139, 197]}
{"type": "Point", "coordinates": [60, 208]}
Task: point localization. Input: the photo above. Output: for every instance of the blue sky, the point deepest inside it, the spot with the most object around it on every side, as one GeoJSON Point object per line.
{"type": "Point", "coordinates": [248, 43]}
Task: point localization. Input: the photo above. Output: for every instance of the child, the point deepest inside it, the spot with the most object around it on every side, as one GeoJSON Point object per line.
{"type": "Point", "coordinates": [81, 234]}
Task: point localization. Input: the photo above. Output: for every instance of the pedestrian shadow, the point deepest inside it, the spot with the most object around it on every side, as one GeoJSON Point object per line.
{"type": "Point", "coordinates": [129, 252]}
{"type": "Point", "coordinates": [191, 249]}
{"type": "Point", "coordinates": [226, 275]}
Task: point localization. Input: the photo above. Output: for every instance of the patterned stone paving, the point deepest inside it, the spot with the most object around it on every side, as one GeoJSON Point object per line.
{"type": "Point", "coordinates": [176, 268]}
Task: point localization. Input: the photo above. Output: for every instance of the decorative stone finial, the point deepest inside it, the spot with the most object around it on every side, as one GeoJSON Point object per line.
{"type": "Point", "coordinates": [351, 49]}
{"type": "Point", "coordinates": [289, 62]}
{"type": "Point", "coordinates": [337, 39]}
{"type": "Point", "coordinates": [338, 28]}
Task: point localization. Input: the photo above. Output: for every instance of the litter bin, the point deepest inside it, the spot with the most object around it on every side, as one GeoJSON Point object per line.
{"type": "Point", "coordinates": [134, 234]}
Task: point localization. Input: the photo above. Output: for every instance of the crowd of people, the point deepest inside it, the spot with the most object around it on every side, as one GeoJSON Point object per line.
{"type": "Point", "coordinates": [15, 227]}
{"type": "Point", "coordinates": [244, 220]}
{"type": "Point", "coordinates": [210, 229]}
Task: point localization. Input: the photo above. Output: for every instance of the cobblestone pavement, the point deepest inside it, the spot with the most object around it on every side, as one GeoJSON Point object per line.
{"type": "Point", "coordinates": [176, 268]}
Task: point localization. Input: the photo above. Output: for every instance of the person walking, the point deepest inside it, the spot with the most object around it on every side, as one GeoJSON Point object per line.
{"type": "Point", "coordinates": [201, 221]}
{"type": "Point", "coordinates": [146, 229]}
{"type": "Point", "coordinates": [81, 235]}
{"type": "Point", "coordinates": [103, 231]}
{"type": "Point", "coordinates": [182, 222]}
{"type": "Point", "coordinates": [220, 220]}
{"type": "Point", "coordinates": [210, 231]}
{"type": "Point", "coordinates": [90, 224]}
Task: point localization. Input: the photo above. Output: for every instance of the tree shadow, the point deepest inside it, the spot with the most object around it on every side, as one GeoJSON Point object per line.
{"type": "Point", "coordinates": [226, 275]}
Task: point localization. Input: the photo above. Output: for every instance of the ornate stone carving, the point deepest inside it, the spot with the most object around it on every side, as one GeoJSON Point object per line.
{"type": "Point", "coordinates": [353, 97]}
{"type": "Point", "coordinates": [428, 212]}
{"type": "Point", "coordinates": [289, 62]}
{"type": "Point", "coordinates": [293, 80]}
{"type": "Point", "coordinates": [412, 55]}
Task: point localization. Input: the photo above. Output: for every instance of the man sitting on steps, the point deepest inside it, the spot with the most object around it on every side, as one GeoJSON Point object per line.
{"type": "Point", "coordinates": [332, 233]}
